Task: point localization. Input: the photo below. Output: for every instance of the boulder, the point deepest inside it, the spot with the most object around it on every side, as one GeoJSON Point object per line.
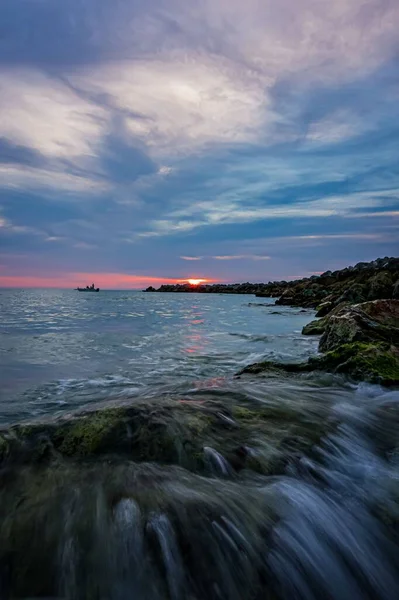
{"type": "Point", "coordinates": [316, 327]}
{"type": "Point", "coordinates": [380, 286]}
{"type": "Point", "coordinates": [367, 322]}
{"type": "Point", "coordinates": [324, 308]}
{"type": "Point", "coordinates": [374, 362]}
{"type": "Point", "coordinates": [360, 341]}
{"type": "Point", "coordinates": [355, 293]}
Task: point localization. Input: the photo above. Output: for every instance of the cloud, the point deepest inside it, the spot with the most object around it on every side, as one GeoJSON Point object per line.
{"type": "Point", "coordinates": [11, 153]}
{"type": "Point", "coordinates": [231, 211]}
{"type": "Point", "coordinates": [42, 113]}
{"type": "Point", "coordinates": [85, 246]}
{"type": "Point", "coordinates": [18, 177]}
{"type": "Point", "coordinates": [228, 257]}
{"type": "Point", "coordinates": [157, 124]}
{"type": "Point", "coordinates": [241, 257]}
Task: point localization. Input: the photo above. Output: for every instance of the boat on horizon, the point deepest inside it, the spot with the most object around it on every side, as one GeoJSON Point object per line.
{"type": "Point", "coordinates": [88, 288]}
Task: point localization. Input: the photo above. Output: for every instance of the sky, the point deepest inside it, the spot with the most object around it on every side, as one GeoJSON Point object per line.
{"type": "Point", "coordinates": [150, 141]}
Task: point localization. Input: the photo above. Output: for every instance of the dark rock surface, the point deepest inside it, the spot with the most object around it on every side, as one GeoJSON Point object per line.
{"type": "Point", "coordinates": [147, 498]}
{"type": "Point", "coordinates": [361, 341]}
{"type": "Point", "coordinates": [367, 322]}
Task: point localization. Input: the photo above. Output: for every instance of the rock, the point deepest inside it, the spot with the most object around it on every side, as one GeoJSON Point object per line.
{"type": "Point", "coordinates": [316, 327]}
{"type": "Point", "coordinates": [166, 432]}
{"type": "Point", "coordinates": [370, 321]}
{"type": "Point", "coordinates": [356, 293]}
{"type": "Point", "coordinates": [373, 362]}
{"type": "Point", "coordinates": [269, 366]}
{"type": "Point", "coordinates": [324, 308]}
{"type": "Point", "coordinates": [353, 284]}
{"type": "Point", "coordinates": [360, 341]}
{"type": "Point", "coordinates": [122, 530]}
{"type": "Point", "coordinates": [395, 291]}
{"type": "Point", "coordinates": [380, 286]}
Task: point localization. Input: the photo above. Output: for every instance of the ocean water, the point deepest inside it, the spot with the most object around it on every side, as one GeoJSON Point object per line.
{"type": "Point", "coordinates": [61, 349]}
{"type": "Point", "coordinates": [324, 526]}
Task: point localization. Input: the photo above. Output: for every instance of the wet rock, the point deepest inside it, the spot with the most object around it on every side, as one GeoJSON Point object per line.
{"type": "Point", "coordinates": [316, 327]}
{"type": "Point", "coordinates": [319, 326]}
{"type": "Point", "coordinates": [380, 286]}
{"type": "Point", "coordinates": [163, 432]}
{"type": "Point", "coordinates": [324, 308]}
{"type": "Point", "coordinates": [360, 341]}
{"type": "Point", "coordinates": [373, 362]}
{"type": "Point", "coordinates": [370, 321]}
{"type": "Point", "coordinates": [99, 530]}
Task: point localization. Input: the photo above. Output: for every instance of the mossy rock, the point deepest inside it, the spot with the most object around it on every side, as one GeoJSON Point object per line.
{"type": "Point", "coordinates": [273, 368]}
{"type": "Point", "coordinates": [374, 362]}
{"type": "Point", "coordinates": [316, 327]}
{"type": "Point", "coordinates": [254, 436]}
{"type": "Point", "coordinates": [90, 434]}
{"type": "Point", "coordinates": [367, 322]}
{"type": "Point", "coordinates": [324, 308]}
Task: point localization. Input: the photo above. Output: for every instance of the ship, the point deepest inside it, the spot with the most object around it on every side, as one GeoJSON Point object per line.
{"type": "Point", "coordinates": [88, 288]}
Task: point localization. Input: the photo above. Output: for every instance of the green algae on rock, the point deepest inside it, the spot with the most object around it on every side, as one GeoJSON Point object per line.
{"type": "Point", "coordinates": [360, 341]}
{"type": "Point", "coordinates": [374, 362]}
{"type": "Point", "coordinates": [316, 327]}
{"type": "Point", "coordinates": [259, 437]}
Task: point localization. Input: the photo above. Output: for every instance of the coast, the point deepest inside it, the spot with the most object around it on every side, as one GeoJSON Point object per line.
{"type": "Point", "coordinates": [224, 493]}
{"type": "Point", "coordinates": [364, 281]}
{"type": "Point", "coordinates": [358, 310]}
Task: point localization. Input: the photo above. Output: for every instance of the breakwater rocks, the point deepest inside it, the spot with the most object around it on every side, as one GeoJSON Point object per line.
{"type": "Point", "coordinates": [360, 340]}
{"type": "Point", "coordinates": [362, 282]}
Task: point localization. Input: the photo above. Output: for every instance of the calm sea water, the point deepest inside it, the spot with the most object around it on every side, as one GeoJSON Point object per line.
{"type": "Point", "coordinates": [61, 349]}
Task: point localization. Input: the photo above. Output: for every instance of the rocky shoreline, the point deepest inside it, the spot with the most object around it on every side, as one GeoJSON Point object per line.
{"type": "Point", "coordinates": [365, 281]}
{"type": "Point", "coordinates": [360, 332]}
{"type": "Point", "coordinates": [175, 498]}
{"type": "Point", "coordinates": [360, 341]}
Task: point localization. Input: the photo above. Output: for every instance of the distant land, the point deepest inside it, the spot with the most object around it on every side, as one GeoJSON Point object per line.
{"type": "Point", "coordinates": [364, 281]}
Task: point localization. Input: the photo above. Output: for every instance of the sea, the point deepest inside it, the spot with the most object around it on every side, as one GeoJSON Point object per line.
{"type": "Point", "coordinates": [63, 349]}
{"type": "Point", "coordinates": [159, 532]}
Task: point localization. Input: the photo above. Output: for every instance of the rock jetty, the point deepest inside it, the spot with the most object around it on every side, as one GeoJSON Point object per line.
{"type": "Point", "coordinates": [360, 340]}
{"type": "Point", "coordinates": [364, 281]}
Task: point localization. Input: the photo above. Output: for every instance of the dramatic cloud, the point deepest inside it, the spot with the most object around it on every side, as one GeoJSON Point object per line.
{"type": "Point", "coordinates": [143, 138]}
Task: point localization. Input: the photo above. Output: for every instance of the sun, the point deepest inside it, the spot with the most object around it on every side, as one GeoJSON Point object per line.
{"type": "Point", "coordinates": [195, 281]}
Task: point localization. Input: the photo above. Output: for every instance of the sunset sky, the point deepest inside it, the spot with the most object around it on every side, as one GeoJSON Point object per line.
{"type": "Point", "coordinates": [151, 141]}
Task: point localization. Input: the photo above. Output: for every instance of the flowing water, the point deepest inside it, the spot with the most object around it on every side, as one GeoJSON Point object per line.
{"type": "Point", "coordinates": [323, 525]}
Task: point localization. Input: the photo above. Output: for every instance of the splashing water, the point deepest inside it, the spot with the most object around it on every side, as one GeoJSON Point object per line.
{"type": "Point", "coordinates": [326, 528]}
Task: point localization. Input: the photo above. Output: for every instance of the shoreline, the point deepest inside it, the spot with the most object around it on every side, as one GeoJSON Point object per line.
{"type": "Point", "coordinates": [212, 488]}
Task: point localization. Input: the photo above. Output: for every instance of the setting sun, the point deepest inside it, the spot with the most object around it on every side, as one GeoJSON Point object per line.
{"type": "Point", "coordinates": [196, 281]}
